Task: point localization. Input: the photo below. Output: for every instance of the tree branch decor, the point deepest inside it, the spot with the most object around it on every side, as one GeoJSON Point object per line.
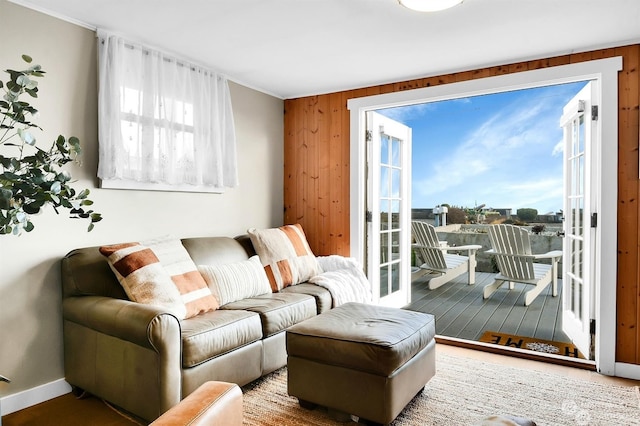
{"type": "Point", "coordinates": [32, 178]}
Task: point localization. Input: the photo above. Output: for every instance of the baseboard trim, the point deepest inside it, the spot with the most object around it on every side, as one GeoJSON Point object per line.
{"type": "Point", "coordinates": [21, 400]}
{"type": "Point", "coordinates": [628, 371]}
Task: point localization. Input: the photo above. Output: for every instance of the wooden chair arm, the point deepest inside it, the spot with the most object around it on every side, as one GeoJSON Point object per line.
{"type": "Point", "coordinates": [554, 255]}
{"type": "Point", "coordinates": [470, 248]}
{"type": "Point", "coordinates": [550, 255]}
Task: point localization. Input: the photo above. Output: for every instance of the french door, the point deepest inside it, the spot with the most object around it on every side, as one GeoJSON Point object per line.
{"type": "Point", "coordinates": [579, 123]}
{"type": "Point", "coordinates": [388, 209]}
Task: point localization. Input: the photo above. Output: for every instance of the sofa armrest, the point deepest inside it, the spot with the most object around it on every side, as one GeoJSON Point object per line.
{"type": "Point", "coordinates": [125, 352]}
{"type": "Point", "coordinates": [213, 403]}
{"type": "Point", "coordinates": [145, 325]}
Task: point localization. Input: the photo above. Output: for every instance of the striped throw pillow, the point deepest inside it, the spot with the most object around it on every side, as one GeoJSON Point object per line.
{"type": "Point", "coordinates": [160, 272]}
{"type": "Point", "coordinates": [285, 255]}
{"type": "Point", "coordinates": [235, 281]}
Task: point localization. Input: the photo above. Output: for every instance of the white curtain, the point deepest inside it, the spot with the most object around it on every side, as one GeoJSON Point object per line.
{"type": "Point", "coordinates": [162, 120]}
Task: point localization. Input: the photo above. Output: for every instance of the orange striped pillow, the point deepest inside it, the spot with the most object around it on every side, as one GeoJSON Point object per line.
{"type": "Point", "coordinates": [160, 272]}
{"type": "Point", "coordinates": [285, 255]}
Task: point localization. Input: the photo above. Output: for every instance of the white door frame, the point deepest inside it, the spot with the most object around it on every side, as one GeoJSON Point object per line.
{"type": "Point", "coordinates": [603, 70]}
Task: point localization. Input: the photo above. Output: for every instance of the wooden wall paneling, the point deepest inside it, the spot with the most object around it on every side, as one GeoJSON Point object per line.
{"type": "Point", "coordinates": [299, 162]}
{"type": "Point", "coordinates": [292, 128]}
{"type": "Point", "coordinates": [324, 178]}
{"type": "Point", "coordinates": [339, 180]}
{"type": "Point", "coordinates": [310, 173]}
{"type": "Point", "coordinates": [483, 73]}
{"type": "Point", "coordinates": [518, 67]}
{"type": "Point", "coordinates": [463, 76]}
{"type": "Point", "coordinates": [580, 57]}
{"type": "Point", "coordinates": [628, 238]}
{"type": "Point", "coordinates": [634, 64]}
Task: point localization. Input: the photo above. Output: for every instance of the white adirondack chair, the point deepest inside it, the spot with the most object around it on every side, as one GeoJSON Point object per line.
{"type": "Point", "coordinates": [437, 259]}
{"type": "Point", "coordinates": [512, 250]}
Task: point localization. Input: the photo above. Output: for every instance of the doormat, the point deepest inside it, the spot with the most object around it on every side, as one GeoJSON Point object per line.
{"type": "Point", "coordinates": [532, 344]}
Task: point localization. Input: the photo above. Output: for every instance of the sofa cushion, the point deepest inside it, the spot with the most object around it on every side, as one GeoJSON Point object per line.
{"type": "Point", "coordinates": [285, 255]}
{"type": "Point", "coordinates": [278, 311]}
{"type": "Point", "coordinates": [323, 297]}
{"type": "Point", "coordinates": [216, 333]}
{"type": "Point", "coordinates": [160, 272]}
{"type": "Point", "coordinates": [236, 281]}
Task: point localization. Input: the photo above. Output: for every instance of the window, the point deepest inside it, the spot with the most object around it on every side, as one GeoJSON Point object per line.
{"type": "Point", "coordinates": [165, 124]}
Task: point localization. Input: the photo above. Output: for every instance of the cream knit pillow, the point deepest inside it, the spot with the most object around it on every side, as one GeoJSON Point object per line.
{"type": "Point", "coordinates": [236, 281]}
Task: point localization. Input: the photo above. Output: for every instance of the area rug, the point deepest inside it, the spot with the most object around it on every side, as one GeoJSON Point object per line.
{"type": "Point", "coordinates": [532, 344]}
{"type": "Point", "coordinates": [465, 391]}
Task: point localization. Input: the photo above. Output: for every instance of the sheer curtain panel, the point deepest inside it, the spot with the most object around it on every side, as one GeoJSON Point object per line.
{"type": "Point", "coordinates": [164, 123]}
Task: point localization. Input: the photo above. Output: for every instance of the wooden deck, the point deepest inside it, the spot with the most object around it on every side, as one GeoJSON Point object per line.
{"type": "Point", "coordinates": [461, 312]}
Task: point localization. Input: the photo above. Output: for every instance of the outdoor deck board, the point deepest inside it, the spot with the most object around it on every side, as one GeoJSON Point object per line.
{"type": "Point", "coordinates": [551, 314]}
{"type": "Point", "coordinates": [533, 318]}
{"type": "Point", "coordinates": [462, 313]}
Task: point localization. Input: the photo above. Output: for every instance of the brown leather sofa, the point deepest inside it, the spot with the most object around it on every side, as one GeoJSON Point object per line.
{"type": "Point", "coordinates": [213, 403]}
{"type": "Point", "coordinates": [145, 360]}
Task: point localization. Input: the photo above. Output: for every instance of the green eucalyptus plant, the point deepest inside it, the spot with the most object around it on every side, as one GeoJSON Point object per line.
{"type": "Point", "coordinates": [32, 178]}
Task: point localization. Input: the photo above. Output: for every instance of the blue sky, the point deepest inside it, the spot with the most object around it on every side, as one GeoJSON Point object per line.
{"type": "Point", "coordinates": [503, 150]}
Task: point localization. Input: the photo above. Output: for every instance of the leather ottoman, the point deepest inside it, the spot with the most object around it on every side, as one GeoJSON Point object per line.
{"type": "Point", "coordinates": [363, 360]}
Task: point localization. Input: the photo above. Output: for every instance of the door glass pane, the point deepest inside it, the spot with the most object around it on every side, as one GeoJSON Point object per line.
{"type": "Point", "coordinates": [395, 152]}
{"type": "Point", "coordinates": [395, 245]}
{"type": "Point", "coordinates": [580, 174]}
{"type": "Point", "coordinates": [572, 308]}
{"type": "Point", "coordinates": [579, 255]}
{"type": "Point", "coordinates": [572, 174]}
{"type": "Point", "coordinates": [384, 181]}
{"type": "Point", "coordinates": [395, 214]}
{"type": "Point", "coordinates": [384, 215]}
{"type": "Point", "coordinates": [580, 218]}
{"type": "Point", "coordinates": [384, 247]}
{"type": "Point", "coordinates": [574, 138]}
{"type": "Point", "coordinates": [384, 280]}
{"type": "Point", "coordinates": [395, 277]}
{"type": "Point", "coordinates": [579, 287]}
{"type": "Point", "coordinates": [395, 183]}
{"type": "Point", "coordinates": [574, 218]}
{"type": "Point", "coordinates": [571, 263]}
{"type": "Point", "coordinates": [581, 134]}
{"type": "Point", "coordinates": [384, 149]}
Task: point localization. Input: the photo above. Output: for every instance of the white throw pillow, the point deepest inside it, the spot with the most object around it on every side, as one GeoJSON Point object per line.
{"type": "Point", "coordinates": [236, 281]}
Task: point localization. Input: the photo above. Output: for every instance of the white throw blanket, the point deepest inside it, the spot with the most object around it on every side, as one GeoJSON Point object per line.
{"type": "Point", "coordinates": [344, 279]}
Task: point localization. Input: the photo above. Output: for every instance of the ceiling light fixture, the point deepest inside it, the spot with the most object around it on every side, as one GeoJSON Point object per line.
{"type": "Point", "coordinates": [429, 5]}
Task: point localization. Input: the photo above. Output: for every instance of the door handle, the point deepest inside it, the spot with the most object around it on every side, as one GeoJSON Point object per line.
{"type": "Point", "coordinates": [560, 234]}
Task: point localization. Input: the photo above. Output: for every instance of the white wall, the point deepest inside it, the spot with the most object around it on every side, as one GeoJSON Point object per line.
{"type": "Point", "coordinates": [30, 291]}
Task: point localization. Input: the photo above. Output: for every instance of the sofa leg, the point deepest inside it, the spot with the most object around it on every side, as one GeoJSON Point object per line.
{"type": "Point", "coordinates": [78, 392]}
{"type": "Point", "coordinates": [339, 416]}
{"type": "Point", "coordinates": [306, 404]}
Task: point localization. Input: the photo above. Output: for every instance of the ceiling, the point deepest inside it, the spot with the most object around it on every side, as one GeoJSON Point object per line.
{"type": "Point", "coordinates": [294, 48]}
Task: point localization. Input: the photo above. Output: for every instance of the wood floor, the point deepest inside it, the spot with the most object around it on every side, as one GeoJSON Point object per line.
{"type": "Point", "coordinates": [462, 313]}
